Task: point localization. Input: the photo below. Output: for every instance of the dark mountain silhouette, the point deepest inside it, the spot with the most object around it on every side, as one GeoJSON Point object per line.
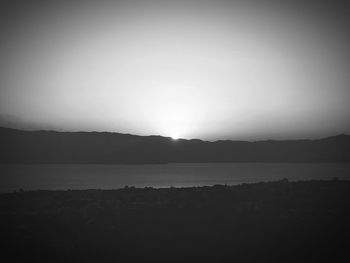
{"type": "Point", "coordinates": [17, 146]}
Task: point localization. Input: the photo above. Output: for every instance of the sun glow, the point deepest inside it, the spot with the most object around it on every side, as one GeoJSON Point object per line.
{"type": "Point", "coordinates": [175, 137]}
{"type": "Point", "coordinates": [181, 69]}
{"type": "Point", "coordinates": [174, 121]}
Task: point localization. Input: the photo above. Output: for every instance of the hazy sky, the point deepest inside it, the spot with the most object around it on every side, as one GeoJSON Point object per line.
{"type": "Point", "coordinates": [192, 69]}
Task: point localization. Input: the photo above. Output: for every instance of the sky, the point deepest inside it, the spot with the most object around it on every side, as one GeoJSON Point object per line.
{"type": "Point", "coordinates": [220, 69]}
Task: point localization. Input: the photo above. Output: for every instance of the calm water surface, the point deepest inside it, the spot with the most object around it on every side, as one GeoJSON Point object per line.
{"type": "Point", "coordinates": [76, 176]}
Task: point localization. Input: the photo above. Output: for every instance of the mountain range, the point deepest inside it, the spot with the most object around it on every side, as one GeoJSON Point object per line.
{"type": "Point", "coordinates": [19, 146]}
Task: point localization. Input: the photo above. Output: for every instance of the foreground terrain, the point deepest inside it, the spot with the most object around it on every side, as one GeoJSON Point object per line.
{"type": "Point", "coordinates": [276, 221]}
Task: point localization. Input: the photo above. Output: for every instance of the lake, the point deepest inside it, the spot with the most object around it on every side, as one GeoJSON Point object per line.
{"type": "Point", "coordinates": [96, 176]}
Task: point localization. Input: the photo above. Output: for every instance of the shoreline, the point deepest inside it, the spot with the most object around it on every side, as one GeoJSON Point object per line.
{"type": "Point", "coordinates": [266, 221]}
{"type": "Point", "coordinates": [228, 186]}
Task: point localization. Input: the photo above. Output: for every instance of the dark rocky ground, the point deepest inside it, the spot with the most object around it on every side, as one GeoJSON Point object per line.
{"type": "Point", "coordinates": [262, 222]}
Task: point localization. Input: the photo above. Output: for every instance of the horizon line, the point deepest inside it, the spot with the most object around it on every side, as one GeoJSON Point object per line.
{"type": "Point", "coordinates": [169, 137]}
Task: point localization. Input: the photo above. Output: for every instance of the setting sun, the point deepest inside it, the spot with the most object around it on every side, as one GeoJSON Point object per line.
{"type": "Point", "coordinates": [175, 136]}
{"type": "Point", "coordinates": [175, 130]}
{"type": "Point", "coordinates": [174, 120]}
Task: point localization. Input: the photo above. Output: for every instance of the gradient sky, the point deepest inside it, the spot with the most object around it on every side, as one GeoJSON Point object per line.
{"type": "Point", "coordinates": [191, 69]}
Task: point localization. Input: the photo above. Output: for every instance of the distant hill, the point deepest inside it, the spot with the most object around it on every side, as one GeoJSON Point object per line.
{"type": "Point", "coordinates": [17, 146]}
